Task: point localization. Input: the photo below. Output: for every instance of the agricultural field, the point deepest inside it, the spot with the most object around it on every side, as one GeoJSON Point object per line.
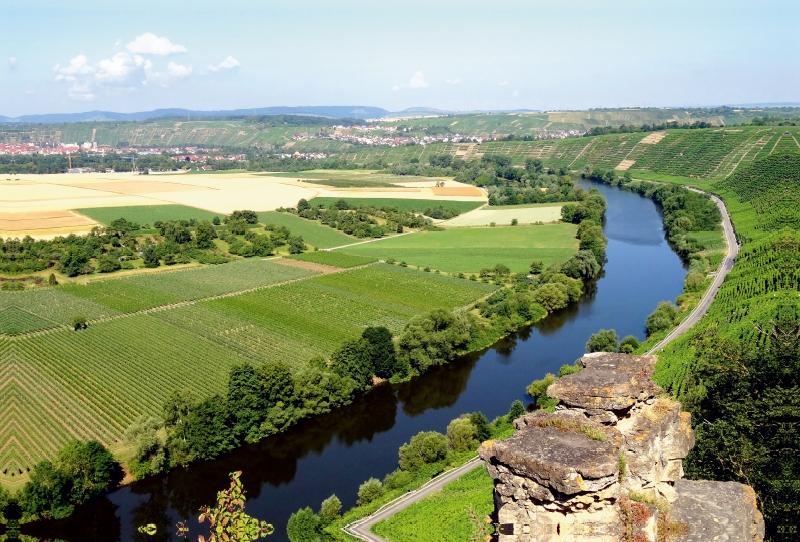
{"type": "Point", "coordinates": [147, 214]}
{"type": "Point", "coordinates": [468, 250]}
{"type": "Point", "coordinates": [503, 215]}
{"type": "Point", "coordinates": [411, 205]}
{"type": "Point", "coordinates": [333, 258]}
{"type": "Point", "coordinates": [154, 288]}
{"type": "Point", "coordinates": [312, 232]}
{"type": "Point", "coordinates": [94, 382]}
{"type": "Point", "coordinates": [451, 507]}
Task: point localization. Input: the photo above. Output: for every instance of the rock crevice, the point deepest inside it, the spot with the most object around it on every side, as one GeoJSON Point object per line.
{"type": "Point", "coordinates": [596, 468]}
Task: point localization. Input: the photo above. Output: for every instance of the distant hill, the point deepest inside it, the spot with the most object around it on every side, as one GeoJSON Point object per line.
{"type": "Point", "coordinates": [333, 111]}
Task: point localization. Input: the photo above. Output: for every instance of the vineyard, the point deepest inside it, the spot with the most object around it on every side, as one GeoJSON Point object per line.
{"type": "Point", "coordinates": [335, 259]}
{"type": "Point", "coordinates": [763, 203]}
{"type": "Point", "coordinates": [93, 383]}
{"type": "Point", "coordinates": [766, 195]}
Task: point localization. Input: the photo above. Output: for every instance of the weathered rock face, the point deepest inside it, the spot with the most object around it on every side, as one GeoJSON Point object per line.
{"type": "Point", "coordinates": [566, 476]}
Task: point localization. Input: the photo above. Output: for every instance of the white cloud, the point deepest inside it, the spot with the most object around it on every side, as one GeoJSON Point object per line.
{"type": "Point", "coordinates": [150, 44]}
{"type": "Point", "coordinates": [503, 83]}
{"type": "Point", "coordinates": [179, 71]}
{"type": "Point", "coordinates": [453, 81]}
{"type": "Point", "coordinates": [12, 62]}
{"type": "Point", "coordinates": [227, 64]}
{"type": "Point", "coordinates": [515, 94]}
{"type": "Point", "coordinates": [417, 81]}
{"type": "Point", "coordinates": [77, 66]}
{"type": "Point", "coordinates": [118, 68]}
{"type": "Point", "coordinates": [117, 43]}
{"type": "Point", "coordinates": [30, 92]}
{"type": "Point", "coordinates": [396, 87]}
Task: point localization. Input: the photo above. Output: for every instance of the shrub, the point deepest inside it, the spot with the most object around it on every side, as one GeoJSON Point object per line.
{"type": "Point", "coordinates": [304, 526]}
{"type": "Point", "coordinates": [424, 448]}
{"type": "Point", "coordinates": [605, 340]}
{"type": "Point", "coordinates": [369, 491]}
{"type": "Point", "coordinates": [629, 344]}
{"type": "Point", "coordinates": [693, 282]}
{"type": "Point", "coordinates": [538, 390]}
{"type": "Point", "coordinates": [398, 479]}
{"type": "Point", "coordinates": [330, 510]}
{"type": "Point", "coordinates": [662, 318]}
{"type": "Point", "coordinates": [78, 322]}
{"type": "Point", "coordinates": [517, 409]}
{"type": "Point", "coordinates": [461, 435]}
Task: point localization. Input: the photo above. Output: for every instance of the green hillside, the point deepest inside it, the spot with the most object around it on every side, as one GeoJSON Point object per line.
{"type": "Point", "coordinates": [736, 370]}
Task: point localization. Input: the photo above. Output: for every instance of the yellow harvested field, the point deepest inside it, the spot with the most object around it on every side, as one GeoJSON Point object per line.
{"type": "Point", "coordinates": [39, 205]}
{"type": "Point", "coordinates": [457, 191]}
{"type": "Point", "coordinates": [135, 188]}
{"type": "Point", "coordinates": [15, 222]}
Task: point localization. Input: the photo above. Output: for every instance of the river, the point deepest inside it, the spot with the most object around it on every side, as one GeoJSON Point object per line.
{"type": "Point", "coordinates": [335, 453]}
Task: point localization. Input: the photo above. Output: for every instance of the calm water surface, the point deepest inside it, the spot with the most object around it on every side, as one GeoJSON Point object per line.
{"type": "Point", "coordinates": [337, 452]}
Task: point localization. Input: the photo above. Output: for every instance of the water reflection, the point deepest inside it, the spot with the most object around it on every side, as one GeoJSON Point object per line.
{"type": "Point", "coordinates": [334, 453]}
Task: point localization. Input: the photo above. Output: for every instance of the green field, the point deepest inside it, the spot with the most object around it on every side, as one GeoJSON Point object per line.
{"type": "Point", "coordinates": [444, 516]}
{"type": "Point", "coordinates": [334, 258]}
{"type": "Point", "coordinates": [94, 382]}
{"type": "Point", "coordinates": [45, 308]}
{"type": "Point", "coordinates": [469, 250]}
{"type": "Point", "coordinates": [416, 205]}
{"type": "Point", "coordinates": [147, 214]}
{"type": "Point", "coordinates": [311, 231]}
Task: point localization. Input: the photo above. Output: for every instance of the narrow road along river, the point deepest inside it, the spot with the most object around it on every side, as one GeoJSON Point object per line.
{"type": "Point", "coordinates": [337, 452]}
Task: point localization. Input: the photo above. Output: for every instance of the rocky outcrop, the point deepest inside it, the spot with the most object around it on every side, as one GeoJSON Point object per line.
{"type": "Point", "coordinates": [596, 468]}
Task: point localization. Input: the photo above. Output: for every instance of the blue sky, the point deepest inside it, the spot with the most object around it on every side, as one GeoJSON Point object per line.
{"type": "Point", "coordinates": [457, 55]}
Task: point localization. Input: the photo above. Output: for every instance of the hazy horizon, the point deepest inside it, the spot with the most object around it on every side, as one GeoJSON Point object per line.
{"type": "Point", "coordinates": [458, 56]}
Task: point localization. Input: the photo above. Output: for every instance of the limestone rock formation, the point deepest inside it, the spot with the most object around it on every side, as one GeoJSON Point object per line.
{"type": "Point", "coordinates": [594, 469]}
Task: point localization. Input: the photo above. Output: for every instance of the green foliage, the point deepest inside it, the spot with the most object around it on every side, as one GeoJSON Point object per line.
{"type": "Point", "coordinates": [424, 448]}
{"type": "Point", "coordinates": [517, 409]}
{"type": "Point", "coordinates": [330, 510]}
{"type": "Point", "coordinates": [82, 470]}
{"type": "Point", "coordinates": [582, 265]}
{"type": "Point", "coordinates": [628, 344]}
{"type": "Point", "coordinates": [662, 318]}
{"type": "Point", "coordinates": [605, 340]}
{"type": "Point", "coordinates": [304, 526]}
{"type": "Point", "coordinates": [570, 369]}
{"type": "Point", "coordinates": [78, 322]}
{"type": "Point", "coordinates": [433, 339]}
{"type": "Point", "coordinates": [397, 479]}
{"type": "Point", "coordinates": [354, 360]}
{"type": "Point", "coordinates": [149, 456]}
{"type": "Point", "coordinates": [461, 435]}
{"type": "Point", "coordinates": [459, 510]}
{"type": "Point", "coordinates": [205, 235]}
{"type": "Point", "coordinates": [483, 431]}
{"type": "Point", "coordinates": [369, 491]}
{"type": "Point", "coordinates": [538, 390]}
{"type": "Point", "coordinates": [551, 297]}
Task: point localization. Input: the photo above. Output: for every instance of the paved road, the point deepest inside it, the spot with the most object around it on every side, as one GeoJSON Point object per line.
{"type": "Point", "coordinates": [725, 268]}
{"type": "Point", "coordinates": [360, 529]}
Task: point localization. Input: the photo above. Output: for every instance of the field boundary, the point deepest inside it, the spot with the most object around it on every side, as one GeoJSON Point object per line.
{"type": "Point", "coordinates": [185, 303]}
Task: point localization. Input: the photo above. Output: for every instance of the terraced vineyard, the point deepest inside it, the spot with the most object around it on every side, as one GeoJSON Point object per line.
{"type": "Point", "coordinates": [93, 383]}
